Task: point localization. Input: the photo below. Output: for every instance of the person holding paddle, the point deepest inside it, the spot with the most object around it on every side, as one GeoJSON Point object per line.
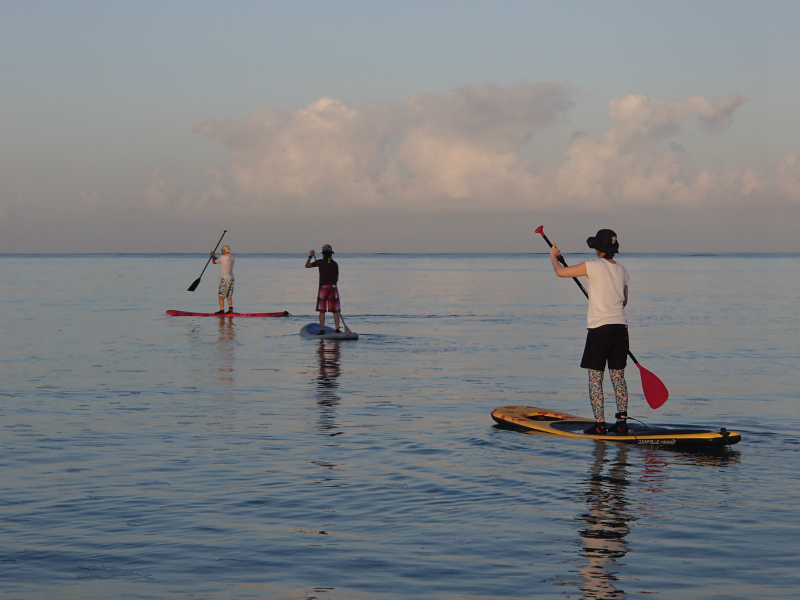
{"type": "Point", "coordinates": [607, 338]}
{"type": "Point", "coordinates": [328, 293]}
{"type": "Point", "coordinates": [225, 263]}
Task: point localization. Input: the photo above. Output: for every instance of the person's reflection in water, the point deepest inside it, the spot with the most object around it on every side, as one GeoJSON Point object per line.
{"type": "Point", "coordinates": [327, 384]}
{"type": "Point", "coordinates": [606, 522]}
{"type": "Point", "coordinates": [225, 348]}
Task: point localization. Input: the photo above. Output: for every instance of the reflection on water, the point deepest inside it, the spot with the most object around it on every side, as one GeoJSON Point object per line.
{"type": "Point", "coordinates": [327, 384]}
{"type": "Point", "coordinates": [225, 350]}
{"type": "Point", "coordinates": [329, 356]}
{"type": "Point", "coordinates": [105, 450]}
{"type": "Point", "coordinates": [606, 522]}
{"type": "Point", "coordinates": [611, 510]}
{"type": "Point", "coordinates": [654, 473]}
{"type": "Point", "coordinates": [723, 457]}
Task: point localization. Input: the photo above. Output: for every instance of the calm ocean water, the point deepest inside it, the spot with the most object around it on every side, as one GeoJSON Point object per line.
{"type": "Point", "coordinates": [148, 457]}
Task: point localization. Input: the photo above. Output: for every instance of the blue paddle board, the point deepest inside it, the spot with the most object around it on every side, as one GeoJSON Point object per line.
{"type": "Point", "coordinates": [311, 331]}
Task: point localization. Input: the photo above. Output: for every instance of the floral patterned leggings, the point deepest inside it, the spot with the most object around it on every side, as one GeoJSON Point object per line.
{"type": "Point", "coordinates": [596, 392]}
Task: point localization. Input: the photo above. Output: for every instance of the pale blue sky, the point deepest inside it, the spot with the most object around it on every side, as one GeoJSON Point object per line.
{"type": "Point", "coordinates": [101, 101]}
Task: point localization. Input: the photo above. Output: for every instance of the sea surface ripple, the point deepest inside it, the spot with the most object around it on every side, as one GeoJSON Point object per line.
{"type": "Point", "coordinates": [150, 457]}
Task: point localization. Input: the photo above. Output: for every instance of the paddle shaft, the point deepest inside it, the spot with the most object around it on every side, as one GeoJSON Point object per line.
{"type": "Point", "coordinates": [564, 264]}
{"type": "Point", "coordinates": [196, 282]}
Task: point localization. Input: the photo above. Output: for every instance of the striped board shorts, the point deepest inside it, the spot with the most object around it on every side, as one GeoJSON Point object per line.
{"type": "Point", "coordinates": [328, 299]}
{"type": "Point", "coordinates": [226, 287]}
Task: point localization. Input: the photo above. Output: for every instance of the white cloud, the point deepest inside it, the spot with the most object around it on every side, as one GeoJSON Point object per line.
{"type": "Point", "coordinates": [458, 148]}
{"type": "Point", "coordinates": [303, 157]}
{"type": "Point", "coordinates": [463, 150]}
{"type": "Point", "coordinates": [629, 164]}
{"type": "Point", "coordinates": [788, 178]}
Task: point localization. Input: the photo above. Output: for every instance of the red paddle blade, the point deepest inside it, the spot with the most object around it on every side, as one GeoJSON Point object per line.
{"type": "Point", "coordinates": [540, 229]}
{"type": "Point", "coordinates": [655, 392]}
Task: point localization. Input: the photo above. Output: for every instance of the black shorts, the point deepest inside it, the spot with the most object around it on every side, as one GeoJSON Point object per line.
{"type": "Point", "coordinates": [606, 344]}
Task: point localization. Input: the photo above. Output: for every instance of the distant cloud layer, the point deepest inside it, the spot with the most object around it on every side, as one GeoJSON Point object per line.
{"type": "Point", "coordinates": [465, 150]}
{"type": "Point", "coordinates": [433, 166]}
{"type": "Point", "coordinates": [458, 149]}
{"type": "Point", "coordinates": [629, 164]}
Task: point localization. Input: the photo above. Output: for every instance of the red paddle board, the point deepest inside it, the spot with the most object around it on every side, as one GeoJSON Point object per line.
{"type": "Point", "coordinates": [182, 313]}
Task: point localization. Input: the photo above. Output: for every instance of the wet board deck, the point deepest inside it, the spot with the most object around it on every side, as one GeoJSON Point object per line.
{"type": "Point", "coordinates": [531, 418]}
{"type": "Point", "coordinates": [311, 331]}
{"type": "Point", "coordinates": [183, 313]}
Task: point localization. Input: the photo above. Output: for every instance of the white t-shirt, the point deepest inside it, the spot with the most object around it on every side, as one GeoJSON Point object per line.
{"type": "Point", "coordinates": [607, 282]}
{"type": "Point", "coordinates": [225, 263]}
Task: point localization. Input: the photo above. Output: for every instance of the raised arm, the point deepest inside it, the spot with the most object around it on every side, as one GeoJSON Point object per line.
{"type": "Point", "coordinates": [310, 258]}
{"type": "Point", "coordinates": [562, 271]}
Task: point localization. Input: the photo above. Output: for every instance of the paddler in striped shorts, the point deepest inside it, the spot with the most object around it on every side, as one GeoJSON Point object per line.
{"type": "Point", "coordinates": [328, 293]}
{"type": "Point", "coordinates": [225, 263]}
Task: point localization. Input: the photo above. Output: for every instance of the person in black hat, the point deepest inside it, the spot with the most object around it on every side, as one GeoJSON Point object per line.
{"type": "Point", "coordinates": [607, 338]}
{"type": "Point", "coordinates": [328, 293]}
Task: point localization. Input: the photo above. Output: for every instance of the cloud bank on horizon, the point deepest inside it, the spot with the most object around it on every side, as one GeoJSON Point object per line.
{"type": "Point", "coordinates": [466, 150]}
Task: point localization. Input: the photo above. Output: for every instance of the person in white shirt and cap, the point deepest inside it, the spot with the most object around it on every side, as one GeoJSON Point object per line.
{"type": "Point", "coordinates": [225, 263]}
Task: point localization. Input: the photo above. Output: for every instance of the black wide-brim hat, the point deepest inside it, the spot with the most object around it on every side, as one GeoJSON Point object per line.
{"type": "Point", "coordinates": [604, 241]}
